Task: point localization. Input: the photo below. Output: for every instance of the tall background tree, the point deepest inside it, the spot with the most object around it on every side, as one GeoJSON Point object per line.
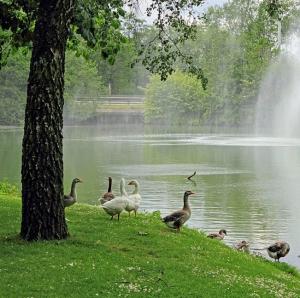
{"type": "Point", "coordinates": [42, 158]}
{"type": "Point", "coordinates": [47, 25]}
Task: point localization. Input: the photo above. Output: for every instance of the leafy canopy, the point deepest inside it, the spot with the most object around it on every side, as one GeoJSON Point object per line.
{"type": "Point", "coordinates": [97, 24]}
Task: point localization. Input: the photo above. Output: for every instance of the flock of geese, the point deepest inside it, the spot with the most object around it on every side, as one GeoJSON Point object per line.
{"type": "Point", "coordinates": [115, 205]}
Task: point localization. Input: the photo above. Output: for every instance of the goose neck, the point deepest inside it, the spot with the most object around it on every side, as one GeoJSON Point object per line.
{"type": "Point", "coordinates": [122, 188]}
{"type": "Point", "coordinates": [73, 190]}
{"type": "Point", "coordinates": [186, 204]}
{"type": "Point", "coordinates": [109, 184]}
{"type": "Point", "coordinates": [136, 189]}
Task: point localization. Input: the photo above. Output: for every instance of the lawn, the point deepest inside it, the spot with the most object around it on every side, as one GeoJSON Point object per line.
{"type": "Point", "coordinates": [135, 257]}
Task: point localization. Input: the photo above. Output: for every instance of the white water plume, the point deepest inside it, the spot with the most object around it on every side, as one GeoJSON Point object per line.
{"type": "Point", "coordinates": [278, 107]}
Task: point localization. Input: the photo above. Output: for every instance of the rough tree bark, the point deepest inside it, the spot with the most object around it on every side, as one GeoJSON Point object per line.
{"type": "Point", "coordinates": [42, 159]}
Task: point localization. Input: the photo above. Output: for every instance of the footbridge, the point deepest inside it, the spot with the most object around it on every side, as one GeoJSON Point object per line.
{"type": "Point", "coordinates": [113, 99]}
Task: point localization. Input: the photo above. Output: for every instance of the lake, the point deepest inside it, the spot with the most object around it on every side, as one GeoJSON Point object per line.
{"type": "Point", "coordinates": [246, 184]}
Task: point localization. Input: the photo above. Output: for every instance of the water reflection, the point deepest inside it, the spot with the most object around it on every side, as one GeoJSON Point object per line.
{"type": "Point", "coordinates": [247, 185]}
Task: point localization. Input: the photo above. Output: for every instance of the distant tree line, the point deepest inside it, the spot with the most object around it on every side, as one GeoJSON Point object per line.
{"type": "Point", "coordinates": [233, 44]}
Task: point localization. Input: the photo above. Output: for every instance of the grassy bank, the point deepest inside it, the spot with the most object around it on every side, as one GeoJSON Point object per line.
{"type": "Point", "coordinates": [136, 257]}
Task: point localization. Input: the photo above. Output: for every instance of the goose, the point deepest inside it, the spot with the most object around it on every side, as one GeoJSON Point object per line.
{"type": "Point", "coordinates": [176, 219]}
{"type": "Point", "coordinates": [135, 198]}
{"type": "Point", "coordinates": [220, 235]}
{"type": "Point", "coordinates": [278, 250]}
{"type": "Point", "coordinates": [108, 195]}
{"type": "Point", "coordinates": [118, 204]}
{"type": "Point", "coordinates": [243, 246]}
{"type": "Point", "coordinates": [71, 199]}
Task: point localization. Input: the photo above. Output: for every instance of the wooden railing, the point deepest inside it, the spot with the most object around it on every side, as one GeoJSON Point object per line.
{"type": "Point", "coordinates": [114, 99]}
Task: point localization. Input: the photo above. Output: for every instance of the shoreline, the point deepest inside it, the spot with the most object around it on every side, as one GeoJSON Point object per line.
{"type": "Point", "coordinates": [135, 256]}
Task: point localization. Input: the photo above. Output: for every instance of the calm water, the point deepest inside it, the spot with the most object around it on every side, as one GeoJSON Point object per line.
{"type": "Point", "coordinates": [247, 185]}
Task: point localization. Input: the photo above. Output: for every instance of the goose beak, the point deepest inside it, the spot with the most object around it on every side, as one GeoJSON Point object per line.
{"type": "Point", "coordinates": [192, 193]}
{"type": "Point", "coordinates": [80, 180]}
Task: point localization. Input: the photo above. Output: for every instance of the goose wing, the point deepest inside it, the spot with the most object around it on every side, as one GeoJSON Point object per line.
{"type": "Point", "coordinates": [276, 247]}
{"type": "Point", "coordinates": [214, 235]}
{"type": "Point", "coordinates": [135, 197]}
{"type": "Point", "coordinates": [117, 204]}
{"type": "Point", "coordinates": [108, 195]}
{"type": "Point", "coordinates": [68, 200]}
{"type": "Point", "coordinates": [175, 216]}
{"type": "Point", "coordinates": [279, 247]}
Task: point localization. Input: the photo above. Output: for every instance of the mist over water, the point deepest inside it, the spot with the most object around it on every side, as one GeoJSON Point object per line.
{"type": "Point", "coordinates": [278, 107]}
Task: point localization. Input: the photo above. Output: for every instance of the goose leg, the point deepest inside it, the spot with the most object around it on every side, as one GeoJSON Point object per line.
{"type": "Point", "coordinates": [112, 217]}
{"type": "Point", "coordinates": [118, 216]}
{"type": "Point", "coordinates": [129, 213]}
{"type": "Point", "coordinates": [134, 213]}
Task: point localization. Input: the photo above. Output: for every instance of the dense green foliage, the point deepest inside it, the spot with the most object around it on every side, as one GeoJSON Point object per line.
{"type": "Point", "coordinates": [99, 25]}
{"type": "Point", "coordinates": [178, 100]}
{"type": "Point", "coordinates": [136, 257]}
{"type": "Point", "coordinates": [81, 81]}
{"type": "Point", "coordinates": [84, 80]}
{"type": "Point", "coordinates": [121, 77]}
{"type": "Point", "coordinates": [13, 89]}
{"type": "Point", "coordinates": [234, 46]}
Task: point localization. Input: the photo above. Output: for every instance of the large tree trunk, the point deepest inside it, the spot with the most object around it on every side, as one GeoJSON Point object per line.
{"type": "Point", "coordinates": [42, 160]}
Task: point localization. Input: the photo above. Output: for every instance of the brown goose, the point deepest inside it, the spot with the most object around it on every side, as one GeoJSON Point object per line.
{"type": "Point", "coordinates": [220, 235]}
{"type": "Point", "coordinates": [108, 195]}
{"type": "Point", "coordinates": [278, 250]}
{"type": "Point", "coordinates": [71, 199]}
{"type": "Point", "coordinates": [243, 246]}
{"type": "Point", "coordinates": [176, 219]}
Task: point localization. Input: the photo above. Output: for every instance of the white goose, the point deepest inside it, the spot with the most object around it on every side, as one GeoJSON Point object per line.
{"type": "Point", "coordinates": [135, 198]}
{"type": "Point", "coordinates": [118, 204]}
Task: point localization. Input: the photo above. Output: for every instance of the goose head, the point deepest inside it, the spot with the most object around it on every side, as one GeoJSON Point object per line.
{"type": "Point", "coordinates": [244, 242]}
{"type": "Point", "coordinates": [77, 180]}
{"type": "Point", "coordinates": [133, 182]}
{"type": "Point", "coordinates": [188, 193]}
{"type": "Point", "coordinates": [223, 232]}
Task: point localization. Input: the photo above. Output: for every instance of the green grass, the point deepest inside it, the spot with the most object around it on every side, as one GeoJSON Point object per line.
{"type": "Point", "coordinates": [9, 189]}
{"type": "Point", "coordinates": [136, 257]}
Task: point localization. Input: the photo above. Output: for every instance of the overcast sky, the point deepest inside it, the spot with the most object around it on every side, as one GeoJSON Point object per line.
{"type": "Point", "coordinates": [208, 3]}
{"type": "Point", "coordinates": [144, 3]}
